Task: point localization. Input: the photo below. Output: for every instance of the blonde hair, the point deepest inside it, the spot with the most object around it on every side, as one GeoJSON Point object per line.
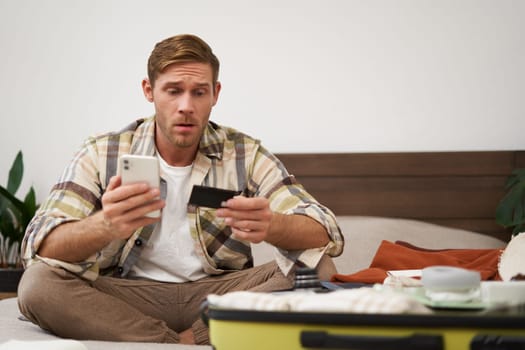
{"type": "Point", "coordinates": [182, 48]}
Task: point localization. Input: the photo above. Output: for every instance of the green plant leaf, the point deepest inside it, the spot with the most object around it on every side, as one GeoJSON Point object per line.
{"type": "Point", "coordinates": [10, 199]}
{"type": "Point", "coordinates": [15, 214]}
{"type": "Point", "coordinates": [511, 209]}
{"type": "Point", "coordinates": [518, 229]}
{"type": "Point", "coordinates": [11, 225]}
{"type": "Point", "coordinates": [517, 176]}
{"type": "Point", "coordinates": [6, 223]}
{"type": "Point", "coordinates": [29, 206]}
{"type": "Point", "coordinates": [16, 173]}
{"type": "Point", "coordinates": [30, 199]}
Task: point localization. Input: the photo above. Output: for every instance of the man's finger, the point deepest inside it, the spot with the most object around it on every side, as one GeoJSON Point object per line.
{"type": "Point", "coordinates": [246, 225]}
{"type": "Point", "coordinates": [245, 203]}
{"type": "Point", "coordinates": [114, 182]}
{"type": "Point", "coordinates": [255, 215]}
{"type": "Point", "coordinates": [254, 237]}
{"type": "Point", "coordinates": [128, 191]}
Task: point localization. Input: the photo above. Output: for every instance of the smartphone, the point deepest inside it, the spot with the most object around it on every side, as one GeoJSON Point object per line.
{"type": "Point", "coordinates": [136, 168]}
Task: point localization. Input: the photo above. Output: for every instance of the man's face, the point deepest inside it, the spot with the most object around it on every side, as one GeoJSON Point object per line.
{"type": "Point", "coordinates": [183, 95]}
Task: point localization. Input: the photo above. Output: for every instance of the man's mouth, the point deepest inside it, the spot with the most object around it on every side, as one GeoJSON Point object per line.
{"type": "Point", "coordinates": [184, 126]}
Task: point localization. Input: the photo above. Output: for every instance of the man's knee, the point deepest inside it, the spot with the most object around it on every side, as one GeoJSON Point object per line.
{"type": "Point", "coordinates": [39, 287]}
{"type": "Point", "coordinates": [30, 286]}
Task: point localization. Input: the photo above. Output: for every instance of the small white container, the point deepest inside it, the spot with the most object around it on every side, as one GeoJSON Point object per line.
{"type": "Point", "coordinates": [503, 292]}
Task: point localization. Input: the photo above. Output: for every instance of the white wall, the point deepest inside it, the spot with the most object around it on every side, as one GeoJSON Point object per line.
{"type": "Point", "coordinates": [301, 75]}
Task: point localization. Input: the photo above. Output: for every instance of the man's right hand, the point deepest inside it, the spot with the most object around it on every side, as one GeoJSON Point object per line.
{"type": "Point", "coordinates": [123, 212]}
{"type": "Point", "coordinates": [124, 207]}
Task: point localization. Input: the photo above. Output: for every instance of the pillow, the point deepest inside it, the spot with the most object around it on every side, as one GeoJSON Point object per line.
{"type": "Point", "coordinates": [363, 235]}
{"type": "Point", "coordinates": [403, 256]}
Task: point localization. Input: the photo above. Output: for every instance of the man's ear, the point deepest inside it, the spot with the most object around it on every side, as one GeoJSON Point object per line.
{"type": "Point", "coordinates": [216, 92]}
{"type": "Point", "coordinates": [147, 89]}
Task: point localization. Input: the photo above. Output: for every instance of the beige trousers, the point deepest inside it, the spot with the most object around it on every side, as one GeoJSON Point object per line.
{"type": "Point", "coordinates": [115, 309]}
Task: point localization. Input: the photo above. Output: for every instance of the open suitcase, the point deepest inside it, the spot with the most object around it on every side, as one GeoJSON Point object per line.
{"type": "Point", "coordinates": [447, 330]}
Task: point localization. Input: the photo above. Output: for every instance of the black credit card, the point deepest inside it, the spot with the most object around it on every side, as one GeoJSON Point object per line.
{"type": "Point", "coordinates": [210, 197]}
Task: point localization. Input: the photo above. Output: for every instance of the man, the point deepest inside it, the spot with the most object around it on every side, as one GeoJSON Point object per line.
{"type": "Point", "coordinates": [99, 268]}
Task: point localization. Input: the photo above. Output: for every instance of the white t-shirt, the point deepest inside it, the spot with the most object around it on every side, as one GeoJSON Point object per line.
{"type": "Point", "coordinates": [169, 255]}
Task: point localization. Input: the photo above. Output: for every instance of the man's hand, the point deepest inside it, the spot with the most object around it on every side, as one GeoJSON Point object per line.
{"type": "Point", "coordinates": [252, 220]}
{"type": "Point", "coordinates": [123, 211]}
{"type": "Point", "coordinates": [249, 218]}
{"type": "Point", "coordinates": [124, 207]}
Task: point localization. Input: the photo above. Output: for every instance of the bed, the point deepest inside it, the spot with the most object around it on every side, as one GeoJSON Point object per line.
{"type": "Point", "coordinates": [430, 199]}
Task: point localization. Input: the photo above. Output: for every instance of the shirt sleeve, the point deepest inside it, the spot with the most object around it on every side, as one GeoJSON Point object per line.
{"type": "Point", "coordinates": [288, 196]}
{"type": "Point", "coordinates": [75, 196]}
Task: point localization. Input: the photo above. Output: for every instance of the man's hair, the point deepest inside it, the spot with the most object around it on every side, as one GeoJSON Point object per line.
{"type": "Point", "coordinates": [182, 48]}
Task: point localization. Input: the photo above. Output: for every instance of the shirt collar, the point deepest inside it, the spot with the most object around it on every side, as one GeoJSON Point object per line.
{"type": "Point", "coordinates": [212, 141]}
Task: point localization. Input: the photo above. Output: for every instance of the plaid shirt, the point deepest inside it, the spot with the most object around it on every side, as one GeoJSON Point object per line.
{"type": "Point", "coordinates": [226, 159]}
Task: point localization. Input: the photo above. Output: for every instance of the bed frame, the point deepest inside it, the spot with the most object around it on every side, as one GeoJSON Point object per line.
{"type": "Point", "coordinates": [454, 189]}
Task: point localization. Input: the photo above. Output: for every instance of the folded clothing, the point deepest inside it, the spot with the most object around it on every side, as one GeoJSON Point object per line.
{"type": "Point", "coordinates": [360, 300]}
{"type": "Point", "coordinates": [404, 256]}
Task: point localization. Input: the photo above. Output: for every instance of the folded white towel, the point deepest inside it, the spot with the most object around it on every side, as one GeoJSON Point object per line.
{"type": "Point", "coordinates": [360, 300]}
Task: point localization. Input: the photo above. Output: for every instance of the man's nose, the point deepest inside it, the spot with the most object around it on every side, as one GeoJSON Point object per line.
{"type": "Point", "coordinates": [186, 103]}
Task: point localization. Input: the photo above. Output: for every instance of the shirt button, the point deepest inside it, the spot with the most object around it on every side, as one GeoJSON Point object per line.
{"type": "Point", "coordinates": [138, 242]}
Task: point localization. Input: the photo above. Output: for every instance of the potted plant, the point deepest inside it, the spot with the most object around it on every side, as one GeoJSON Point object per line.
{"type": "Point", "coordinates": [15, 215]}
{"type": "Point", "coordinates": [510, 212]}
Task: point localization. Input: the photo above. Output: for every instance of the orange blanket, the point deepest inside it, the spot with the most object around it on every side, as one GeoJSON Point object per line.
{"type": "Point", "coordinates": [404, 256]}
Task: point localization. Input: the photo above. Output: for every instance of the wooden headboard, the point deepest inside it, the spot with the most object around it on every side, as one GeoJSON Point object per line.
{"type": "Point", "coordinates": [455, 189]}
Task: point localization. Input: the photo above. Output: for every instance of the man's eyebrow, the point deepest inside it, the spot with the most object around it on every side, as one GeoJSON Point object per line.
{"type": "Point", "coordinates": [205, 84]}
{"type": "Point", "coordinates": [176, 83]}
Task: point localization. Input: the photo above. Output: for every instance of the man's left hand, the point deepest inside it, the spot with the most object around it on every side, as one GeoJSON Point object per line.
{"type": "Point", "coordinates": [249, 218]}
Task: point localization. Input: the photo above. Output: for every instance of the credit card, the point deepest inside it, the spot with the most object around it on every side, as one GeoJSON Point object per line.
{"type": "Point", "coordinates": [210, 197]}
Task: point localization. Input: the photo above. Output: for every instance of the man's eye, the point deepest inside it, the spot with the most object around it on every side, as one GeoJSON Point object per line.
{"type": "Point", "coordinates": [173, 91]}
{"type": "Point", "coordinates": [199, 92]}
